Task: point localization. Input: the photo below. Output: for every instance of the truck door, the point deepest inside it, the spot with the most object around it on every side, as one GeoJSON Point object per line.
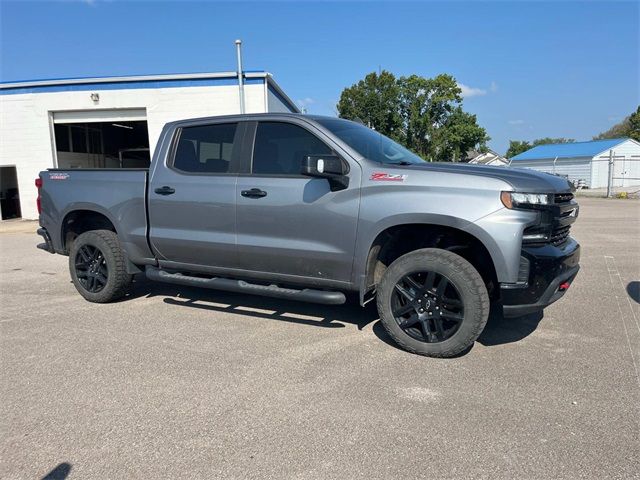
{"type": "Point", "coordinates": [289, 224]}
{"type": "Point", "coordinates": [192, 198]}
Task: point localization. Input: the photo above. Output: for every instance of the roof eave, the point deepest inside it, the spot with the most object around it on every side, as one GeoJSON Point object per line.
{"type": "Point", "coordinates": [136, 78]}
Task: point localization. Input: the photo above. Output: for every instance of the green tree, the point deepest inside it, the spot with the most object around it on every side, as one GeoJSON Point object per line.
{"type": "Point", "coordinates": [424, 114]}
{"type": "Point", "coordinates": [460, 134]}
{"type": "Point", "coordinates": [629, 127]}
{"type": "Point", "coordinates": [426, 105]}
{"type": "Point", "coordinates": [516, 147]}
{"type": "Point", "coordinates": [549, 140]}
{"type": "Point", "coordinates": [634, 125]}
{"type": "Point", "coordinates": [374, 101]}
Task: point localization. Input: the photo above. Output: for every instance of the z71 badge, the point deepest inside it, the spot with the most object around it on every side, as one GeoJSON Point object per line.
{"type": "Point", "coordinates": [387, 177]}
{"type": "Point", "coordinates": [58, 176]}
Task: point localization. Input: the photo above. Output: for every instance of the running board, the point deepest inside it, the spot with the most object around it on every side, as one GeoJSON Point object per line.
{"type": "Point", "coordinates": [240, 286]}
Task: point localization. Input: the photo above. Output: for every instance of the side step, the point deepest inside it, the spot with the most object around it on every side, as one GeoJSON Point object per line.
{"type": "Point", "coordinates": [240, 286]}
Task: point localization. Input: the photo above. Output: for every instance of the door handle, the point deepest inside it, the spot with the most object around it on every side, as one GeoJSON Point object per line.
{"type": "Point", "coordinates": [253, 193]}
{"type": "Point", "coordinates": [165, 190]}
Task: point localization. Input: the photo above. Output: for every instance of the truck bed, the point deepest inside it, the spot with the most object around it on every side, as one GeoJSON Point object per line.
{"type": "Point", "coordinates": [118, 194]}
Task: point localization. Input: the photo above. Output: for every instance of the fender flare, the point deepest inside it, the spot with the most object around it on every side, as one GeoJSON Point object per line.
{"type": "Point", "coordinates": [365, 243]}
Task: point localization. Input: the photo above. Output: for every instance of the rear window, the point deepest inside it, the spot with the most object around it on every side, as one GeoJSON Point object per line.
{"type": "Point", "coordinates": [206, 148]}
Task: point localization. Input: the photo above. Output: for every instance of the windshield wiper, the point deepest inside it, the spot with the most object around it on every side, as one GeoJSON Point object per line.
{"type": "Point", "coordinates": [403, 162]}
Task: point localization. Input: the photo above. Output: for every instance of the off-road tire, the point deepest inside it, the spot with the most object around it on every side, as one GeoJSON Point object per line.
{"type": "Point", "coordinates": [118, 280]}
{"type": "Point", "coordinates": [462, 275]}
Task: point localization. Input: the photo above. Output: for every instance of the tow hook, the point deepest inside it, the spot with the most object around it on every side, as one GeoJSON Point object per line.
{"type": "Point", "coordinates": [564, 286]}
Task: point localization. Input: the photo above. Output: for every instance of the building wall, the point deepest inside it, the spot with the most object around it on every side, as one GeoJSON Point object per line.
{"type": "Point", "coordinates": [26, 120]}
{"type": "Point", "coordinates": [626, 172]}
{"type": "Point", "coordinates": [575, 168]}
{"type": "Point", "coordinates": [275, 103]}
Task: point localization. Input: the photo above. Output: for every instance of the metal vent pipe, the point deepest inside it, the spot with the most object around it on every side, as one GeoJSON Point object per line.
{"type": "Point", "coordinates": [240, 76]}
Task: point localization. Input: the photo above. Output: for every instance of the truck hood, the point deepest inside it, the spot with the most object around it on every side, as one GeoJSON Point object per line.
{"type": "Point", "coordinates": [522, 180]}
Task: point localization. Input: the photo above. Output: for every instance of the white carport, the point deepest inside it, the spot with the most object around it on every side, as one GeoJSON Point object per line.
{"type": "Point", "coordinates": [587, 163]}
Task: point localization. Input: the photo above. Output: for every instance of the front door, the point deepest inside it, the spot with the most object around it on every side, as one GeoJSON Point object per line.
{"type": "Point", "coordinates": [192, 201]}
{"type": "Point", "coordinates": [292, 225]}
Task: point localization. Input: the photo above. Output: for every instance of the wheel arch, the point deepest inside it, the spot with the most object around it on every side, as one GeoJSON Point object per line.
{"type": "Point", "coordinates": [394, 239]}
{"type": "Point", "coordinates": [82, 219]}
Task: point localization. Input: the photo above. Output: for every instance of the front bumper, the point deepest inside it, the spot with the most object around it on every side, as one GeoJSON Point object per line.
{"type": "Point", "coordinates": [551, 270]}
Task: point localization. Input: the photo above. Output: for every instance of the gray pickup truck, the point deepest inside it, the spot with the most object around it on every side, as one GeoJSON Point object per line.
{"type": "Point", "coordinates": [308, 208]}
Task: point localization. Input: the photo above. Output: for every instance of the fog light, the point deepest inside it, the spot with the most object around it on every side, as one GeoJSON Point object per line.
{"type": "Point", "coordinates": [564, 286]}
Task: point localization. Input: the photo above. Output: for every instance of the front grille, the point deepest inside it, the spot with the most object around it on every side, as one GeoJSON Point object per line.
{"type": "Point", "coordinates": [560, 235]}
{"type": "Point", "coordinates": [563, 197]}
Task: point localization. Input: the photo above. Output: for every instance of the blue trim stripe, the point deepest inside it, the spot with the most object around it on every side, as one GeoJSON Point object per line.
{"type": "Point", "coordinates": [114, 76]}
{"type": "Point", "coordinates": [141, 84]}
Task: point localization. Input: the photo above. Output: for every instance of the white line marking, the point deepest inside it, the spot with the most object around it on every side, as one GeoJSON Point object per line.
{"type": "Point", "coordinates": [617, 272]}
{"type": "Point", "coordinates": [624, 324]}
{"type": "Point", "coordinates": [628, 301]}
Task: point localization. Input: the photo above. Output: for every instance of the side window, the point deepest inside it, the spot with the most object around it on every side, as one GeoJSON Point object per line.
{"type": "Point", "coordinates": [206, 148]}
{"type": "Point", "coordinates": [280, 147]}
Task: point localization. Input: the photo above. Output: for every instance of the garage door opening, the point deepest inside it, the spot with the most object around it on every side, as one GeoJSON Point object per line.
{"type": "Point", "coordinates": [9, 195]}
{"type": "Point", "coordinates": [110, 144]}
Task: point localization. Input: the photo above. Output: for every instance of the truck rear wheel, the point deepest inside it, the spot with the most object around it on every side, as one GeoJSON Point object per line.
{"type": "Point", "coordinates": [433, 302]}
{"type": "Point", "coordinates": [97, 266]}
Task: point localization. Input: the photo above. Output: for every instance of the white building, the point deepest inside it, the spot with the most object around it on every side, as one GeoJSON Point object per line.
{"type": "Point", "coordinates": [587, 162]}
{"type": "Point", "coordinates": [487, 158]}
{"type": "Point", "coordinates": [108, 122]}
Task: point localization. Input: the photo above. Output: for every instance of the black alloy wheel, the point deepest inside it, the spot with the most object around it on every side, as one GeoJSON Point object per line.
{"type": "Point", "coordinates": [91, 268]}
{"type": "Point", "coordinates": [427, 306]}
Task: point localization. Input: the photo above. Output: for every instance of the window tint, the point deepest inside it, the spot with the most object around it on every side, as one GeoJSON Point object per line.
{"type": "Point", "coordinates": [280, 147]}
{"type": "Point", "coordinates": [206, 148]}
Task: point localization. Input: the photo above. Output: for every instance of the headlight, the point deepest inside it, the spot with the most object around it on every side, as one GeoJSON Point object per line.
{"type": "Point", "coordinates": [515, 200]}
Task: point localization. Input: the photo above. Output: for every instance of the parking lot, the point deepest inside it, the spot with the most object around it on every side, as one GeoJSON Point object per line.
{"type": "Point", "coordinates": [177, 382]}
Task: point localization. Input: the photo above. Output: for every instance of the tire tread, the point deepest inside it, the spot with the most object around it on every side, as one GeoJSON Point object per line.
{"type": "Point", "coordinates": [477, 284]}
{"type": "Point", "coordinates": [121, 279]}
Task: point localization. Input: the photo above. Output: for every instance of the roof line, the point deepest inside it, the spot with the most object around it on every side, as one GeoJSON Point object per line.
{"type": "Point", "coordinates": [584, 141]}
{"type": "Point", "coordinates": [135, 78]}
{"type": "Point", "coordinates": [613, 146]}
{"type": "Point", "coordinates": [565, 150]}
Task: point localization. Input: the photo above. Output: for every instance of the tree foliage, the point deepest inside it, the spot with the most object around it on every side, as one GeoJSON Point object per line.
{"type": "Point", "coordinates": [629, 127]}
{"type": "Point", "coordinates": [374, 101]}
{"type": "Point", "coordinates": [516, 147]}
{"type": "Point", "coordinates": [424, 114]}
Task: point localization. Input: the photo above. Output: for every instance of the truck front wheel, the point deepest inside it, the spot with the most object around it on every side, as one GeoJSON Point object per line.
{"type": "Point", "coordinates": [97, 266]}
{"type": "Point", "coordinates": [433, 302]}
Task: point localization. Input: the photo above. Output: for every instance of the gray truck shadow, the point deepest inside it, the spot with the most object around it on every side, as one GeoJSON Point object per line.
{"type": "Point", "coordinates": [59, 473]}
{"type": "Point", "coordinates": [498, 331]}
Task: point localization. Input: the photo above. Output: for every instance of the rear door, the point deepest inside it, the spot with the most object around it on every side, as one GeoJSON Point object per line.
{"type": "Point", "coordinates": [192, 198]}
{"type": "Point", "coordinates": [291, 225]}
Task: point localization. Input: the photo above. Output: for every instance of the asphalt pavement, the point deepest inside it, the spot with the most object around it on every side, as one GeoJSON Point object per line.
{"type": "Point", "coordinates": [177, 382]}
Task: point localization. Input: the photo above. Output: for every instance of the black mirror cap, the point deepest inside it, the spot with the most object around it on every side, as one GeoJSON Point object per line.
{"type": "Point", "coordinates": [324, 166]}
{"type": "Point", "coordinates": [330, 167]}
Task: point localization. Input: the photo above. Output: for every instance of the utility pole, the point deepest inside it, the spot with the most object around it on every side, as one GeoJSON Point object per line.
{"type": "Point", "coordinates": [610, 175]}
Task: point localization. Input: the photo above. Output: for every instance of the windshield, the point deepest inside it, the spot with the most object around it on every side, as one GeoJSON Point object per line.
{"type": "Point", "coordinates": [369, 143]}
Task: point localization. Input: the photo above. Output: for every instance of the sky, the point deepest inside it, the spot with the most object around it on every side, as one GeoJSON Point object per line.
{"type": "Point", "coordinates": [527, 69]}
